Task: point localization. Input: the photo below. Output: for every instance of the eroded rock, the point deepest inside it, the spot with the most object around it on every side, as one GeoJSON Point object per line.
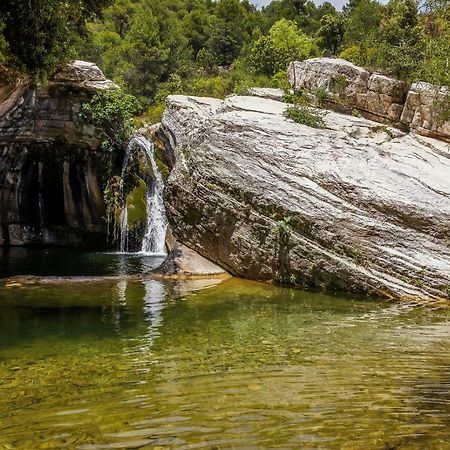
{"type": "Point", "coordinates": [423, 110]}
{"type": "Point", "coordinates": [357, 206]}
{"type": "Point", "coordinates": [184, 262]}
{"type": "Point", "coordinates": [50, 163]}
{"type": "Point", "coordinates": [377, 95]}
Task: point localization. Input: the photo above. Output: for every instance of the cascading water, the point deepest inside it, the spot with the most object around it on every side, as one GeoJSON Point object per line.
{"type": "Point", "coordinates": [153, 242]}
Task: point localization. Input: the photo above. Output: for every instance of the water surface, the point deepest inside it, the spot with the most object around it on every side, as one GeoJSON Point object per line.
{"type": "Point", "coordinates": [65, 262]}
{"type": "Point", "coordinates": [148, 364]}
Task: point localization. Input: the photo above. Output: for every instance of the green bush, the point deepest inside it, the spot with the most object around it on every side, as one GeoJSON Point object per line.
{"type": "Point", "coordinates": [321, 95]}
{"type": "Point", "coordinates": [112, 112]}
{"type": "Point", "coordinates": [284, 43]}
{"type": "Point", "coordinates": [305, 115]}
{"type": "Point", "coordinates": [154, 113]}
{"type": "Point", "coordinates": [296, 98]}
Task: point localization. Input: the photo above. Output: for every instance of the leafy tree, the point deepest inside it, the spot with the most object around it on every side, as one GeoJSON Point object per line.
{"type": "Point", "coordinates": [226, 33]}
{"type": "Point", "coordinates": [41, 33]}
{"type": "Point", "coordinates": [111, 111]}
{"type": "Point", "coordinates": [331, 33]}
{"type": "Point", "coordinates": [362, 22]}
{"type": "Point", "coordinates": [120, 16]}
{"type": "Point", "coordinates": [196, 25]}
{"type": "Point", "coordinates": [299, 11]}
{"type": "Point", "coordinates": [361, 38]}
{"type": "Point", "coordinates": [401, 38]}
{"type": "Point", "coordinates": [143, 57]}
{"type": "Point", "coordinates": [284, 43]}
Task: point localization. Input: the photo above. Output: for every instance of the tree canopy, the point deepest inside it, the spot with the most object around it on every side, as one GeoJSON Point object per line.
{"type": "Point", "coordinates": [206, 47]}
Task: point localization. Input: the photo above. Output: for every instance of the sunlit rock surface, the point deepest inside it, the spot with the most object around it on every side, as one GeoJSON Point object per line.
{"type": "Point", "coordinates": [49, 161]}
{"type": "Point", "coordinates": [184, 262]}
{"type": "Point", "coordinates": [355, 206]}
{"type": "Point", "coordinates": [423, 110]}
{"type": "Point", "coordinates": [380, 96]}
{"type": "Point", "coordinates": [417, 107]}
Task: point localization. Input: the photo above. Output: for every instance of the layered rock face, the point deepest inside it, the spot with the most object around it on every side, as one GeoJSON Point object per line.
{"type": "Point", "coordinates": [421, 110]}
{"type": "Point", "coordinates": [372, 93]}
{"type": "Point", "coordinates": [356, 206]}
{"type": "Point", "coordinates": [50, 166]}
{"type": "Point", "coordinates": [378, 97]}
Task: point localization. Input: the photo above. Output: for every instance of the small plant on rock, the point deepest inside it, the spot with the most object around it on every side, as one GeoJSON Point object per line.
{"type": "Point", "coordinates": [340, 84]}
{"type": "Point", "coordinates": [283, 226]}
{"type": "Point", "coordinates": [305, 115]}
{"type": "Point", "coordinates": [321, 95]}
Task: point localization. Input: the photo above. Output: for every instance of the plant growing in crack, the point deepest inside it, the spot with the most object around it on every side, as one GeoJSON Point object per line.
{"type": "Point", "coordinates": [282, 230]}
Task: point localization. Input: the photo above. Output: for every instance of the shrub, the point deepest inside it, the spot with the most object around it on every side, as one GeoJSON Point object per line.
{"type": "Point", "coordinates": [280, 80]}
{"type": "Point", "coordinates": [340, 84]}
{"type": "Point", "coordinates": [321, 96]}
{"type": "Point", "coordinates": [305, 115]}
{"type": "Point", "coordinates": [285, 42]}
{"type": "Point", "coordinates": [297, 98]}
{"type": "Point", "coordinates": [111, 111]}
{"type": "Point", "coordinates": [154, 113]}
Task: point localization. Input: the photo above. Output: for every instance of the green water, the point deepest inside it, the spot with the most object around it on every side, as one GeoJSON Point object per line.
{"type": "Point", "coordinates": [104, 364]}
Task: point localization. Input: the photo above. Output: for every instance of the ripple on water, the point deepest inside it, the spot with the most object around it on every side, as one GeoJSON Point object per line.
{"type": "Point", "coordinates": [142, 364]}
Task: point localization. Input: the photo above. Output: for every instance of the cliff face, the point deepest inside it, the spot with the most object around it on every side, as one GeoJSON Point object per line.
{"type": "Point", "coordinates": [378, 97]}
{"type": "Point", "coordinates": [355, 206]}
{"type": "Point", "coordinates": [49, 161]}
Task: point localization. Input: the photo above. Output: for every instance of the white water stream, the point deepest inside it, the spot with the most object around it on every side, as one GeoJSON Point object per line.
{"type": "Point", "coordinates": [153, 242]}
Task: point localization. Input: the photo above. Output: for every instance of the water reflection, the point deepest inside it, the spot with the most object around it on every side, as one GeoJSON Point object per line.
{"type": "Point", "coordinates": [129, 363]}
{"type": "Point", "coordinates": [64, 262]}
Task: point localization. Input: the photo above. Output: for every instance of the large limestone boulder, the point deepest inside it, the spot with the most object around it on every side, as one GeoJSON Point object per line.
{"type": "Point", "coordinates": [50, 163]}
{"type": "Point", "coordinates": [377, 95]}
{"type": "Point", "coordinates": [423, 110]}
{"type": "Point", "coordinates": [355, 206]}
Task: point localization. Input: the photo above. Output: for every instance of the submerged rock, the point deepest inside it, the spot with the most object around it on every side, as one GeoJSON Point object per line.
{"type": "Point", "coordinates": [356, 206]}
{"type": "Point", "coordinates": [50, 163]}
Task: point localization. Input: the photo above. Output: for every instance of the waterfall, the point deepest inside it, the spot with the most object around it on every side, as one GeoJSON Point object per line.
{"type": "Point", "coordinates": [153, 242]}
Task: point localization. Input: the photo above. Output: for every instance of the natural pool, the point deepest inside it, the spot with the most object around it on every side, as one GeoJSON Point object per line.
{"type": "Point", "coordinates": [102, 363]}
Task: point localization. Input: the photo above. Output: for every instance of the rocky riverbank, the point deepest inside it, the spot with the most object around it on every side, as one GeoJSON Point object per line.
{"type": "Point", "coordinates": [356, 206]}
{"type": "Point", "coordinates": [50, 164]}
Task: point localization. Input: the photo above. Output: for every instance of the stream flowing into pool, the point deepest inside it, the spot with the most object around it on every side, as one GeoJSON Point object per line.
{"type": "Point", "coordinates": [153, 242]}
{"type": "Point", "coordinates": [120, 362]}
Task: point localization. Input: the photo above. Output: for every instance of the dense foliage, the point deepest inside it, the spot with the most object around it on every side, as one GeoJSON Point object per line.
{"type": "Point", "coordinates": [36, 35]}
{"type": "Point", "coordinates": [156, 47]}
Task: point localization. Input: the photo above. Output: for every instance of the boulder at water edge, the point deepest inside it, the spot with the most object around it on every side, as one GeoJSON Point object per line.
{"type": "Point", "coordinates": [355, 206]}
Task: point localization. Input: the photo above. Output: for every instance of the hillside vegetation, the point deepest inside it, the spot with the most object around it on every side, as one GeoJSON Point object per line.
{"type": "Point", "coordinates": [153, 48]}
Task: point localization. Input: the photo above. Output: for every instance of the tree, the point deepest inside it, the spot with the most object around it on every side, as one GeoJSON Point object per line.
{"type": "Point", "coordinates": [196, 25]}
{"type": "Point", "coordinates": [40, 34]}
{"type": "Point", "coordinates": [363, 21]}
{"type": "Point", "coordinates": [284, 43]}
{"type": "Point", "coordinates": [144, 59]}
{"type": "Point", "coordinates": [401, 38]}
{"type": "Point", "coordinates": [331, 33]}
{"type": "Point", "coordinates": [226, 33]}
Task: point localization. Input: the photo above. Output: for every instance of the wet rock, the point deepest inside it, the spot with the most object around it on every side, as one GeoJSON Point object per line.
{"type": "Point", "coordinates": [50, 161]}
{"type": "Point", "coordinates": [356, 206]}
